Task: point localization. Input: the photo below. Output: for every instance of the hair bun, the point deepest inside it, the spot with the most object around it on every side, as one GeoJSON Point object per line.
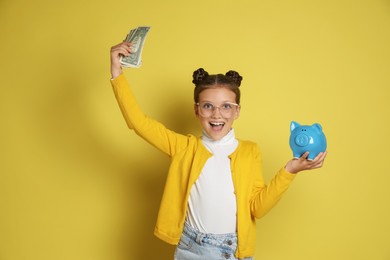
{"type": "Point", "coordinates": [199, 75]}
{"type": "Point", "coordinates": [234, 76]}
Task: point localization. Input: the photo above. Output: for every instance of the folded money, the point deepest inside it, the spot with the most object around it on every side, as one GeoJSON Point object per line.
{"type": "Point", "coordinates": [137, 38]}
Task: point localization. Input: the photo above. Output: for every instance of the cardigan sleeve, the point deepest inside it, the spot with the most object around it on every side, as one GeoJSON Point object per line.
{"type": "Point", "coordinates": [265, 197]}
{"type": "Point", "coordinates": [149, 129]}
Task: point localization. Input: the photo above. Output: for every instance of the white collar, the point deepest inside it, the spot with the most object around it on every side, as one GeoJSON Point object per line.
{"type": "Point", "coordinates": [229, 138]}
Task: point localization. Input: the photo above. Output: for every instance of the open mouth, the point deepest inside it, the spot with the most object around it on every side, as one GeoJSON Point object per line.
{"type": "Point", "coordinates": [217, 125]}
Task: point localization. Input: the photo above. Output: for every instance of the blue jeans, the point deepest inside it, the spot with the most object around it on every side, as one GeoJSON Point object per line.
{"type": "Point", "coordinates": [195, 245]}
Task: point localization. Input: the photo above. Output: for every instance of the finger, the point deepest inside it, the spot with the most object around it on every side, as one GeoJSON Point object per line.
{"type": "Point", "coordinates": [304, 156]}
{"type": "Point", "coordinates": [120, 49]}
{"type": "Point", "coordinates": [320, 162]}
{"type": "Point", "coordinates": [320, 157]}
{"type": "Point", "coordinates": [324, 155]}
{"type": "Point", "coordinates": [125, 45]}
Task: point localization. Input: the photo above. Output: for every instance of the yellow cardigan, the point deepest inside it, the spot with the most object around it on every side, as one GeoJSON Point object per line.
{"type": "Point", "coordinates": [188, 156]}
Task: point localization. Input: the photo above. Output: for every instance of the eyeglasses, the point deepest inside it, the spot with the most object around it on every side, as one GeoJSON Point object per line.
{"type": "Point", "coordinates": [206, 109]}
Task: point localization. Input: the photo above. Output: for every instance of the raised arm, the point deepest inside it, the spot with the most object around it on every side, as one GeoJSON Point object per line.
{"type": "Point", "coordinates": [147, 128]}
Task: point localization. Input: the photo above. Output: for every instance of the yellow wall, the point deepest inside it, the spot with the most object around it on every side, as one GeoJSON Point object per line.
{"type": "Point", "coordinates": [77, 185]}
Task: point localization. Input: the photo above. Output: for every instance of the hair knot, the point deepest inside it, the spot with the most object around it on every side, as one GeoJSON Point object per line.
{"type": "Point", "coordinates": [234, 76]}
{"type": "Point", "coordinates": [199, 75]}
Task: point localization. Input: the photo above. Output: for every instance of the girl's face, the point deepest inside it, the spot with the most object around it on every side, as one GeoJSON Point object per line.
{"type": "Point", "coordinates": [217, 111]}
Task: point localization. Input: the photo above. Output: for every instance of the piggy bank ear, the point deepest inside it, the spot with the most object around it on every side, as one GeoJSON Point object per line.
{"type": "Point", "coordinates": [318, 126]}
{"type": "Point", "coordinates": [293, 125]}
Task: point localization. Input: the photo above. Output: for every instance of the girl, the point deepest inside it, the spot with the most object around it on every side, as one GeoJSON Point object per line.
{"type": "Point", "coordinates": [214, 189]}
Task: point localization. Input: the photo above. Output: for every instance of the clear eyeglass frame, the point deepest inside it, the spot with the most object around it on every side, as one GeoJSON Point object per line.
{"type": "Point", "coordinates": [227, 109]}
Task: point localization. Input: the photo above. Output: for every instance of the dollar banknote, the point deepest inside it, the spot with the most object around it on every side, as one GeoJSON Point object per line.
{"type": "Point", "coordinates": [137, 38]}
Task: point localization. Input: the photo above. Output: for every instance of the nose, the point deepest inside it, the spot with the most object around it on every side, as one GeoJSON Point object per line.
{"type": "Point", "coordinates": [214, 113]}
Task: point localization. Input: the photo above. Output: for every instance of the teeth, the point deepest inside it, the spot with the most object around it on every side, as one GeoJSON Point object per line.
{"type": "Point", "coordinates": [217, 123]}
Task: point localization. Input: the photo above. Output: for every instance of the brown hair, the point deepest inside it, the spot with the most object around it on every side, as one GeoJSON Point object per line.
{"type": "Point", "coordinates": [202, 80]}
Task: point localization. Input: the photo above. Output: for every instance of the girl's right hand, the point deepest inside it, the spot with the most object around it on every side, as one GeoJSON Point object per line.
{"type": "Point", "coordinates": [122, 49]}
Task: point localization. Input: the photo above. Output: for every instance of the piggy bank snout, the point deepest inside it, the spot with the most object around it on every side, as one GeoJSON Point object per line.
{"type": "Point", "coordinates": [302, 140]}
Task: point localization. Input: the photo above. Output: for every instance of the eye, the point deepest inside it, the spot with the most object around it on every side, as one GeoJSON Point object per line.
{"type": "Point", "coordinates": [227, 106]}
{"type": "Point", "coordinates": [207, 106]}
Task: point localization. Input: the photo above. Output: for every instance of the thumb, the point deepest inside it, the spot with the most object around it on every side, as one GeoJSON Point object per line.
{"type": "Point", "coordinates": [305, 155]}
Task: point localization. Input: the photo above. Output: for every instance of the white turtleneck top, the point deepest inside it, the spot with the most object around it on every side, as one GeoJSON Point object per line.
{"type": "Point", "coordinates": [212, 202]}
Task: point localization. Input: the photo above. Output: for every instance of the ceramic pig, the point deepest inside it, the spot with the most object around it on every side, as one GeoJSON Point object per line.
{"type": "Point", "coordinates": [305, 138]}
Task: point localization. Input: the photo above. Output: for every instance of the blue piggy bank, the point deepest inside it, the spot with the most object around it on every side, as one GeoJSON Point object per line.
{"type": "Point", "coordinates": [305, 138]}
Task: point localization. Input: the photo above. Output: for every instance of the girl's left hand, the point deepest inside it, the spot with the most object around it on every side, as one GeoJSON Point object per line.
{"type": "Point", "coordinates": [302, 164]}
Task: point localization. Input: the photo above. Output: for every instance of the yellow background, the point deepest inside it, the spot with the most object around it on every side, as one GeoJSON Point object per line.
{"type": "Point", "coordinates": [75, 184]}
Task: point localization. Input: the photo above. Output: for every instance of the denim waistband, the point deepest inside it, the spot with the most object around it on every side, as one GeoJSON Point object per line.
{"type": "Point", "coordinates": [229, 239]}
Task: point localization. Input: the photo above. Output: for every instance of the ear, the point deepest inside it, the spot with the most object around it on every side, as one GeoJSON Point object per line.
{"type": "Point", "coordinates": [317, 126]}
{"type": "Point", "coordinates": [196, 110]}
{"type": "Point", "coordinates": [293, 125]}
{"type": "Point", "coordinates": [237, 113]}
